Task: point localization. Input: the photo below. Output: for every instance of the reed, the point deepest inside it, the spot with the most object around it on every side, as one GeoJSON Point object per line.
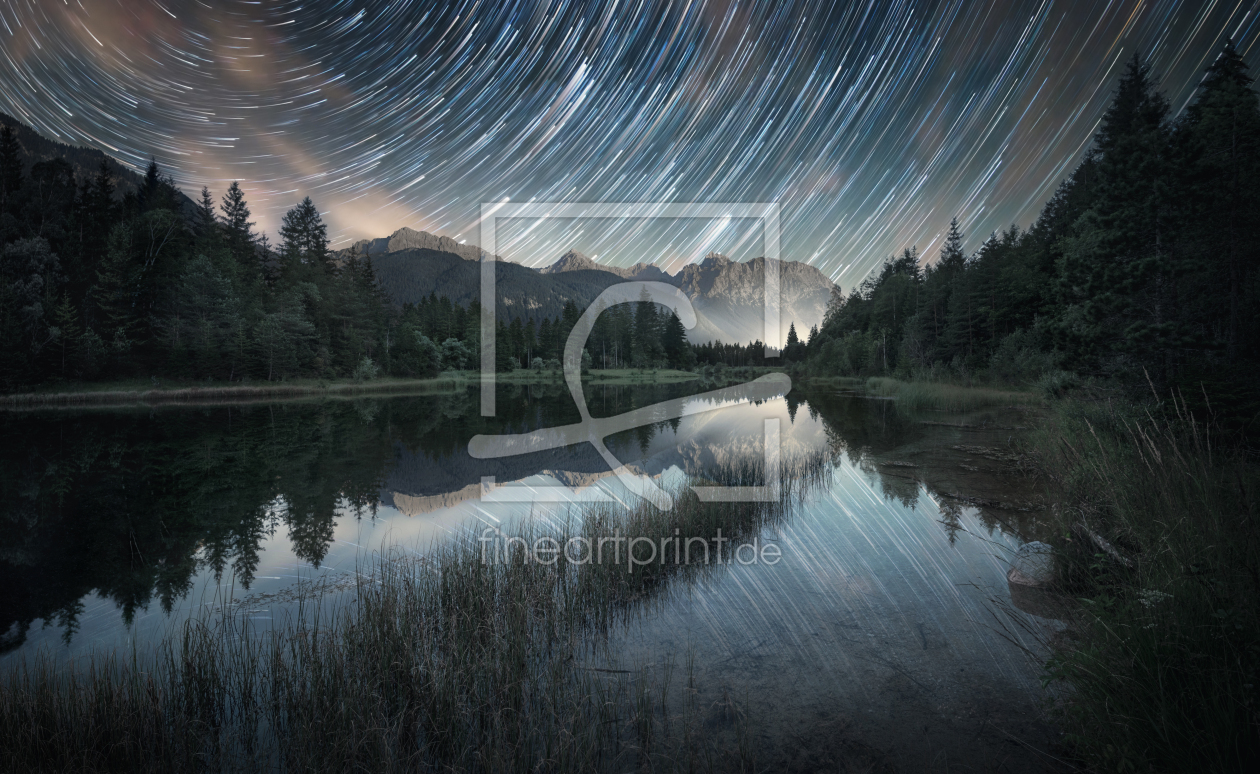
{"type": "Point", "coordinates": [1159, 542]}
{"type": "Point", "coordinates": [938, 396]}
{"type": "Point", "coordinates": [434, 661]}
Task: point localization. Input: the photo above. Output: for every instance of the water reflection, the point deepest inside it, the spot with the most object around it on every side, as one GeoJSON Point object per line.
{"type": "Point", "coordinates": [139, 511]}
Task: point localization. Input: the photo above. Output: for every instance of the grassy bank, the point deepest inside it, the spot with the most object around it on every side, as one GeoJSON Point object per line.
{"type": "Point", "coordinates": [938, 396]}
{"type": "Point", "coordinates": [602, 376]}
{"type": "Point", "coordinates": [188, 392]}
{"type": "Point", "coordinates": [1159, 542]}
{"type": "Point", "coordinates": [434, 662]}
{"type": "Point", "coordinates": [136, 391]}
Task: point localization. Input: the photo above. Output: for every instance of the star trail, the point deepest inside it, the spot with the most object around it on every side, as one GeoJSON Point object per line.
{"type": "Point", "coordinates": [871, 124]}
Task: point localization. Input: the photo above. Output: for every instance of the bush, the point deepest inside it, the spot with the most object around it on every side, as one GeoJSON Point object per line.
{"type": "Point", "coordinates": [366, 370]}
{"type": "Point", "coordinates": [1056, 384]}
{"type": "Point", "coordinates": [455, 355]}
{"type": "Point", "coordinates": [1018, 359]}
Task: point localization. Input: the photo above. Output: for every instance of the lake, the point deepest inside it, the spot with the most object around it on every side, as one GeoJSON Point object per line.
{"type": "Point", "coordinates": [884, 635]}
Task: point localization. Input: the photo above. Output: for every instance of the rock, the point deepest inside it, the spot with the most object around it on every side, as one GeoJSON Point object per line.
{"type": "Point", "coordinates": [1033, 565]}
{"type": "Point", "coordinates": [1040, 601]}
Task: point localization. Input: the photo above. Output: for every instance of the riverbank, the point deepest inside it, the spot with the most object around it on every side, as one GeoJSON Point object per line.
{"type": "Point", "coordinates": [930, 396]}
{"type": "Point", "coordinates": [1157, 542]}
{"type": "Point", "coordinates": [182, 392]}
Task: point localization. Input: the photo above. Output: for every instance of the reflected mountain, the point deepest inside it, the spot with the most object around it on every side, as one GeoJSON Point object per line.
{"type": "Point", "coordinates": [133, 504]}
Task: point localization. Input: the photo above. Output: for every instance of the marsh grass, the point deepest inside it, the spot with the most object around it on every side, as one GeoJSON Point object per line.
{"type": "Point", "coordinates": [938, 396]}
{"type": "Point", "coordinates": [837, 382]}
{"type": "Point", "coordinates": [110, 394]}
{"type": "Point", "coordinates": [1160, 545]}
{"type": "Point", "coordinates": [433, 661]}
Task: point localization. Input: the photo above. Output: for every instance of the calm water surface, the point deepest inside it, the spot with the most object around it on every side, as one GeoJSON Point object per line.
{"type": "Point", "coordinates": [886, 634]}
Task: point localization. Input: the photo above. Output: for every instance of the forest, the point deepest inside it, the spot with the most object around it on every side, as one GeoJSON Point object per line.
{"type": "Point", "coordinates": [1140, 271]}
{"type": "Point", "coordinates": [96, 286]}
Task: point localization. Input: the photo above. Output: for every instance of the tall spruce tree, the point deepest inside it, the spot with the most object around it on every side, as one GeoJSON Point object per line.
{"type": "Point", "coordinates": [1223, 127]}
{"type": "Point", "coordinates": [238, 228]}
{"type": "Point", "coordinates": [304, 239]}
{"type": "Point", "coordinates": [1118, 269]}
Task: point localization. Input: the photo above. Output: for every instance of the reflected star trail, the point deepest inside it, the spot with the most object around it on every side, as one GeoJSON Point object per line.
{"type": "Point", "coordinates": [872, 124]}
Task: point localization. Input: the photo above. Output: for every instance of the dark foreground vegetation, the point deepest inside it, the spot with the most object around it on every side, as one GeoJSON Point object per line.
{"type": "Point", "coordinates": [434, 662]}
{"type": "Point", "coordinates": [1159, 548]}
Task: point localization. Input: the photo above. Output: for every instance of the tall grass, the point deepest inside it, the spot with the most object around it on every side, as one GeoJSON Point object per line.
{"type": "Point", "coordinates": [1159, 541]}
{"type": "Point", "coordinates": [923, 396]}
{"type": "Point", "coordinates": [439, 661]}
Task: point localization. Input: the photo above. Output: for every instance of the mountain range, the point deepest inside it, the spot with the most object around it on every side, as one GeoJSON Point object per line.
{"type": "Point", "coordinates": [726, 295]}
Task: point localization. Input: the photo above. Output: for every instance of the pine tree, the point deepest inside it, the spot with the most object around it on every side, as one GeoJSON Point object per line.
{"type": "Point", "coordinates": [1118, 266]}
{"type": "Point", "coordinates": [206, 224]}
{"type": "Point", "coordinates": [646, 345]}
{"type": "Point", "coordinates": [151, 187]}
{"type": "Point", "coordinates": [115, 288]}
{"type": "Point", "coordinates": [1223, 125]}
{"type": "Point", "coordinates": [937, 288]}
{"type": "Point", "coordinates": [98, 215]}
{"type": "Point", "coordinates": [305, 238]}
{"type": "Point", "coordinates": [10, 170]}
{"type": "Point", "coordinates": [674, 341]}
{"type": "Point", "coordinates": [66, 320]}
{"type": "Point", "coordinates": [237, 226]}
{"type": "Point", "coordinates": [952, 256]}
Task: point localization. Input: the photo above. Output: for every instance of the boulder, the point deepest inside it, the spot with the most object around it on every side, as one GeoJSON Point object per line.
{"type": "Point", "coordinates": [1033, 565]}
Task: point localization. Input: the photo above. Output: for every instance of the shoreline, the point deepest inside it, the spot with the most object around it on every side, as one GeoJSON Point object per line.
{"type": "Point", "coordinates": [78, 397]}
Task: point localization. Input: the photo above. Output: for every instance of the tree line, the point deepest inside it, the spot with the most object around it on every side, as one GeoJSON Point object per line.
{"type": "Point", "coordinates": [1141, 268]}
{"type": "Point", "coordinates": [436, 334]}
{"type": "Point", "coordinates": [94, 286]}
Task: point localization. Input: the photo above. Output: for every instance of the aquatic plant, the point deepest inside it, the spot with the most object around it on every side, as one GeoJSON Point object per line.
{"type": "Point", "coordinates": [434, 660]}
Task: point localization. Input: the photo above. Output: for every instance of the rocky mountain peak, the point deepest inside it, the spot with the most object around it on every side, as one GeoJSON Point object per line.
{"type": "Point", "coordinates": [410, 239]}
{"type": "Point", "coordinates": [572, 261]}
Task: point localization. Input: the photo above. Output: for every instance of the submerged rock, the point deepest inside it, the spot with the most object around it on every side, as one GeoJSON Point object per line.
{"type": "Point", "coordinates": [1033, 565]}
{"type": "Point", "coordinates": [1041, 601]}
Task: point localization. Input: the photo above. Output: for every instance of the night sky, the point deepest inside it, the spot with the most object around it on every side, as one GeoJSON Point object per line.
{"type": "Point", "coordinates": [872, 123]}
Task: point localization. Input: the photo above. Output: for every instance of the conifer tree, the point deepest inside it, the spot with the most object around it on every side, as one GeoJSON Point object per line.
{"type": "Point", "coordinates": [65, 318]}
{"type": "Point", "coordinates": [305, 238]}
{"type": "Point", "coordinates": [10, 170]}
{"type": "Point", "coordinates": [674, 341]}
{"type": "Point", "coordinates": [952, 256]}
{"type": "Point", "coordinates": [151, 187]}
{"type": "Point", "coordinates": [206, 224]}
{"type": "Point", "coordinates": [1223, 125]}
{"type": "Point", "coordinates": [1119, 262]}
{"type": "Point", "coordinates": [98, 215]}
{"type": "Point", "coordinates": [115, 288]}
{"type": "Point", "coordinates": [237, 226]}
